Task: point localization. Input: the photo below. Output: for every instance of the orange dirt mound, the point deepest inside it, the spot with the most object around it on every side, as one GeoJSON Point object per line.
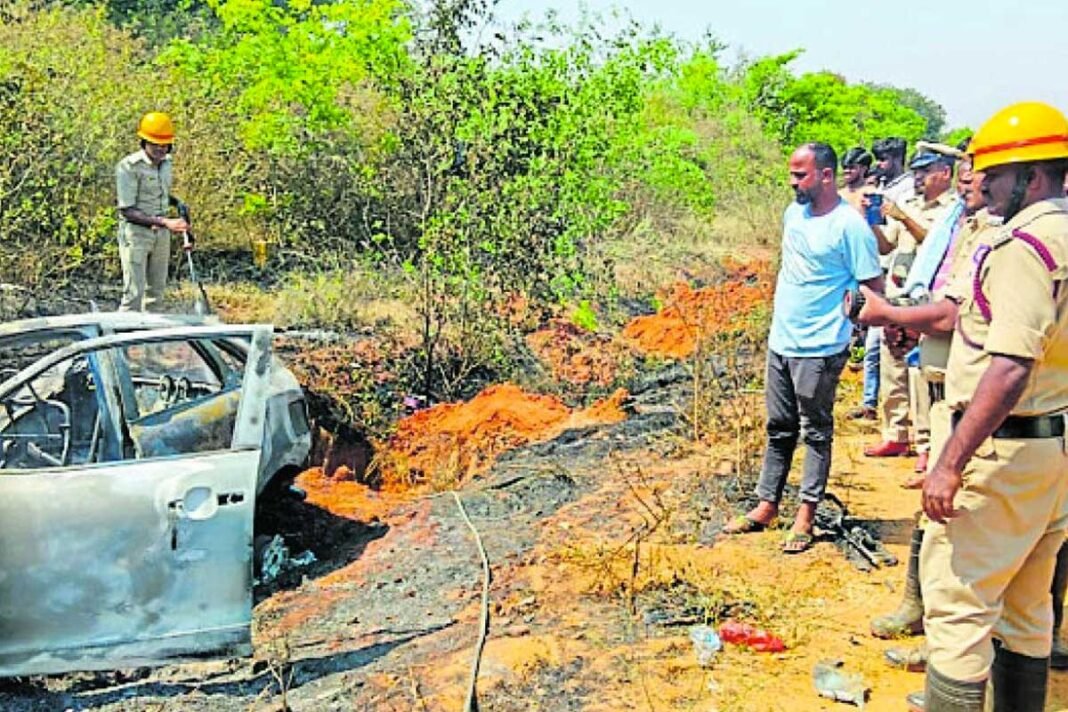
{"type": "Point", "coordinates": [448, 442]}
{"type": "Point", "coordinates": [692, 314]}
{"type": "Point", "coordinates": [342, 495]}
{"type": "Point", "coordinates": [574, 355]}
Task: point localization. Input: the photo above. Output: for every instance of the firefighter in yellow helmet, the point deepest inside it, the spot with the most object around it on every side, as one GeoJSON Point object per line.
{"type": "Point", "coordinates": [144, 180]}
{"type": "Point", "coordinates": [998, 494]}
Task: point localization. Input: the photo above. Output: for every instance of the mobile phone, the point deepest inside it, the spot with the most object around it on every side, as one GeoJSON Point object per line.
{"type": "Point", "coordinates": [874, 214]}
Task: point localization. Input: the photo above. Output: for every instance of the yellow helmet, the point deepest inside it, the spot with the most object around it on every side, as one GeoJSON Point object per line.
{"type": "Point", "coordinates": [156, 127]}
{"type": "Point", "coordinates": [1028, 131]}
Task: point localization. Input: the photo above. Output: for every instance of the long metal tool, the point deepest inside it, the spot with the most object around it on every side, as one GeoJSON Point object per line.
{"type": "Point", "coordinates": [200, 302]}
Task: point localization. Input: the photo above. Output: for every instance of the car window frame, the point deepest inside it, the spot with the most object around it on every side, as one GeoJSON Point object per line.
{"type": "Point", "coordinates": [103, 345]}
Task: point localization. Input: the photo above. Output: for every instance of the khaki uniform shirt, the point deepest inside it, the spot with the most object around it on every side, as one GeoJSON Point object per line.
{"type": "Point", "coordinates": [1028, 319]}
{"type": "Point", "coordinates": [923, 212]}
{"type": "Point", "coordinates": [143, 186]}
{"type": "Point", "coordinates": [979, 229]}
{"type": "Point", "coordinates": [900, 190]}
{"type": "Point", "coordinates": [934, 350]}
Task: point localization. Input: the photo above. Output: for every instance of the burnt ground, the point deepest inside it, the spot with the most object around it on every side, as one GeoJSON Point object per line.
{"type": "Point", "coordinates": [388, 615]}
{"type": "Point", "coordinates": [604, 550]}
{"type": "Point", "coordinates": [411, 597]}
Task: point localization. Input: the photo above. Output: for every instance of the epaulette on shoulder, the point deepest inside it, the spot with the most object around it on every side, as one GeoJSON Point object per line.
{"type": "Point", "coordinates": [135, 157]}
{"type": "Point", "coordinates": [1049, 209]}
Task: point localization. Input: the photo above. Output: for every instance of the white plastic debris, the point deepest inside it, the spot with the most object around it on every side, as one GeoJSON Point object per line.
{"type": "Point", "coordinates": [276, 560]}
{"type": "Point", "coordinates": [706, 644]}
{"type": "Point", "coordinates": [834, 683]}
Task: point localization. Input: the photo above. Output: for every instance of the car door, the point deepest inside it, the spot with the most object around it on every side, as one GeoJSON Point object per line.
{"type": "Point", "coordinates": [138, 561]}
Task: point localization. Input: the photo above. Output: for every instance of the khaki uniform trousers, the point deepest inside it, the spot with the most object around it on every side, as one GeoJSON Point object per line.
{"type": "Point", "coordinates": [986, 573]}
{"type": "Point", "coordinates": [145, 259]}
{"type": "Point", "coordinates": [939, 419]}
{"type": "Point", "coordinates": [894, 396]}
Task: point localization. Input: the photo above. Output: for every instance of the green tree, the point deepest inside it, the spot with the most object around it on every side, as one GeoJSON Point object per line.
{"type": "Point", "coordinates": [955, 136]}
{"type": "Point", "coordinates": [823, 106]}
{"type": "Point", "coordinates": [290, 66]}
{"type": "Point", "coordinates": [157, 21]}
{"type": "Point", "coordinates": [931, 111]}
{"type": "Point", "coordinates": [63, 125]}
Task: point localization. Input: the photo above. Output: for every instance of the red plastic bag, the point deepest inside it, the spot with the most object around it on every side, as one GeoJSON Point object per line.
{"type": "Point", "coordinates": [756, 639]}
{"type": "Point", "coordinates": [734, 632]}
{"type": "Point", "coordinates": [764, 642]}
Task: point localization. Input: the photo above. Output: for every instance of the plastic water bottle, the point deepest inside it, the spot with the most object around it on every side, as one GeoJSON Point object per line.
{"type": "Point", "coordinates": [706, 644]}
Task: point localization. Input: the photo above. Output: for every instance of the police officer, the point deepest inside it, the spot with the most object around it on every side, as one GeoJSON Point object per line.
{"type": "Point", "coordinates": [906, 228]}
{"type": "Point", "coordinates": [969, 228]}
{"type": "Point", "coordinates": [143, 180]}
{"type": "Point", "coordinates": [998, 495]}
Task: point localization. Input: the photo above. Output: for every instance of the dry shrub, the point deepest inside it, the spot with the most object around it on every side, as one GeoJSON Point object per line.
{"type": "Point", "coordinates": [345, 300]}
{"type": "Point", "coordinates": [577, 357]}
{"type": "Point", "coordinates": [62, 129]}
{"type": "Point", "coordinates": [727, 411]}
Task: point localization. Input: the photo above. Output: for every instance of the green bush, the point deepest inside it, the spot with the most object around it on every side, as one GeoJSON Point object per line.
{"type": "Point", "coordinates": [324, 129]}
{"type": "Point", "coordinates": [64, 123]}
{"type": "Point", "coordinates": [357, 132]}
{"type": "Point", "coordinates": [822, 106]}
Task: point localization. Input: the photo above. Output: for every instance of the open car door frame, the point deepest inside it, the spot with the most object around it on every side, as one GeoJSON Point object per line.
{"type": "Point", "coordinates": [137, 562]}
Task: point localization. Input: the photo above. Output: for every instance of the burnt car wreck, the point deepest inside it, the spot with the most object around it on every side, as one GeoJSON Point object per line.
{"type": "Point", "coordinates": [132, 451]}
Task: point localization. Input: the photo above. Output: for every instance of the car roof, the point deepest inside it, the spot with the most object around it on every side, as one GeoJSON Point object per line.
{"type": "Point", "coordinates": [111, 321]}
{"type": "Point", "coordinates": [59, 355]}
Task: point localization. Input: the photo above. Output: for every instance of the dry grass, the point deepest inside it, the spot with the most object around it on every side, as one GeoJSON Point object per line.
{"type": "Point", "coordinates": [649, 258]}
{"type": "Point", "coordinates": [345, 300]}
{"type": "Point", "coordinates": [342, 301]}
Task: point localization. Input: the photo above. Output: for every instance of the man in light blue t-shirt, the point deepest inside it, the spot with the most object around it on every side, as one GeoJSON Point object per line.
{"type": "Point", "coordinates": [827, 248]}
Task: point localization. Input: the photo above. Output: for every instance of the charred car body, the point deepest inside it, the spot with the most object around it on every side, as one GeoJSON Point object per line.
{"type": "Point", "coordinates": [132, 450]}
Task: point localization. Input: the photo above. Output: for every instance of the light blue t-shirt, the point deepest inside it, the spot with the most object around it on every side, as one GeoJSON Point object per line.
{"type": "Point", "coordinates": [822, 256]}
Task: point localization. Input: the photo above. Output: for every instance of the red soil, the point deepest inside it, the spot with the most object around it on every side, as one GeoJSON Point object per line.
{"type": "Point", "coordinates": [689, 315]}
{"type": "Point", "coordinates": [452, 441]}
{"type": "Point", "coordinates": [576, 356]}
{"type": "Point", "coordinates": [441, 446]}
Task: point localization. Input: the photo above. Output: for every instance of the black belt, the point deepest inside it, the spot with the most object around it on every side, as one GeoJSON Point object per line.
{"type": "Point", "coordinates": [1024, 427]}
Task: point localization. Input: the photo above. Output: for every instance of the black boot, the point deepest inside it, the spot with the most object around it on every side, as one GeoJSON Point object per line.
{"type": "Point", "coordinates": [1059, 657]}
{"type": "Point", "coordinates": [941, 694]}
{"type": "Point", "coordinates": [908, 618]}
{"type": "Point", "coordinates": [1019, 681]}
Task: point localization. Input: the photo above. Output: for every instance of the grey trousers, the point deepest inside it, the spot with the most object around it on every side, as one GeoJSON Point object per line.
{"type": "Point", "coordinates": [799, 394]}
